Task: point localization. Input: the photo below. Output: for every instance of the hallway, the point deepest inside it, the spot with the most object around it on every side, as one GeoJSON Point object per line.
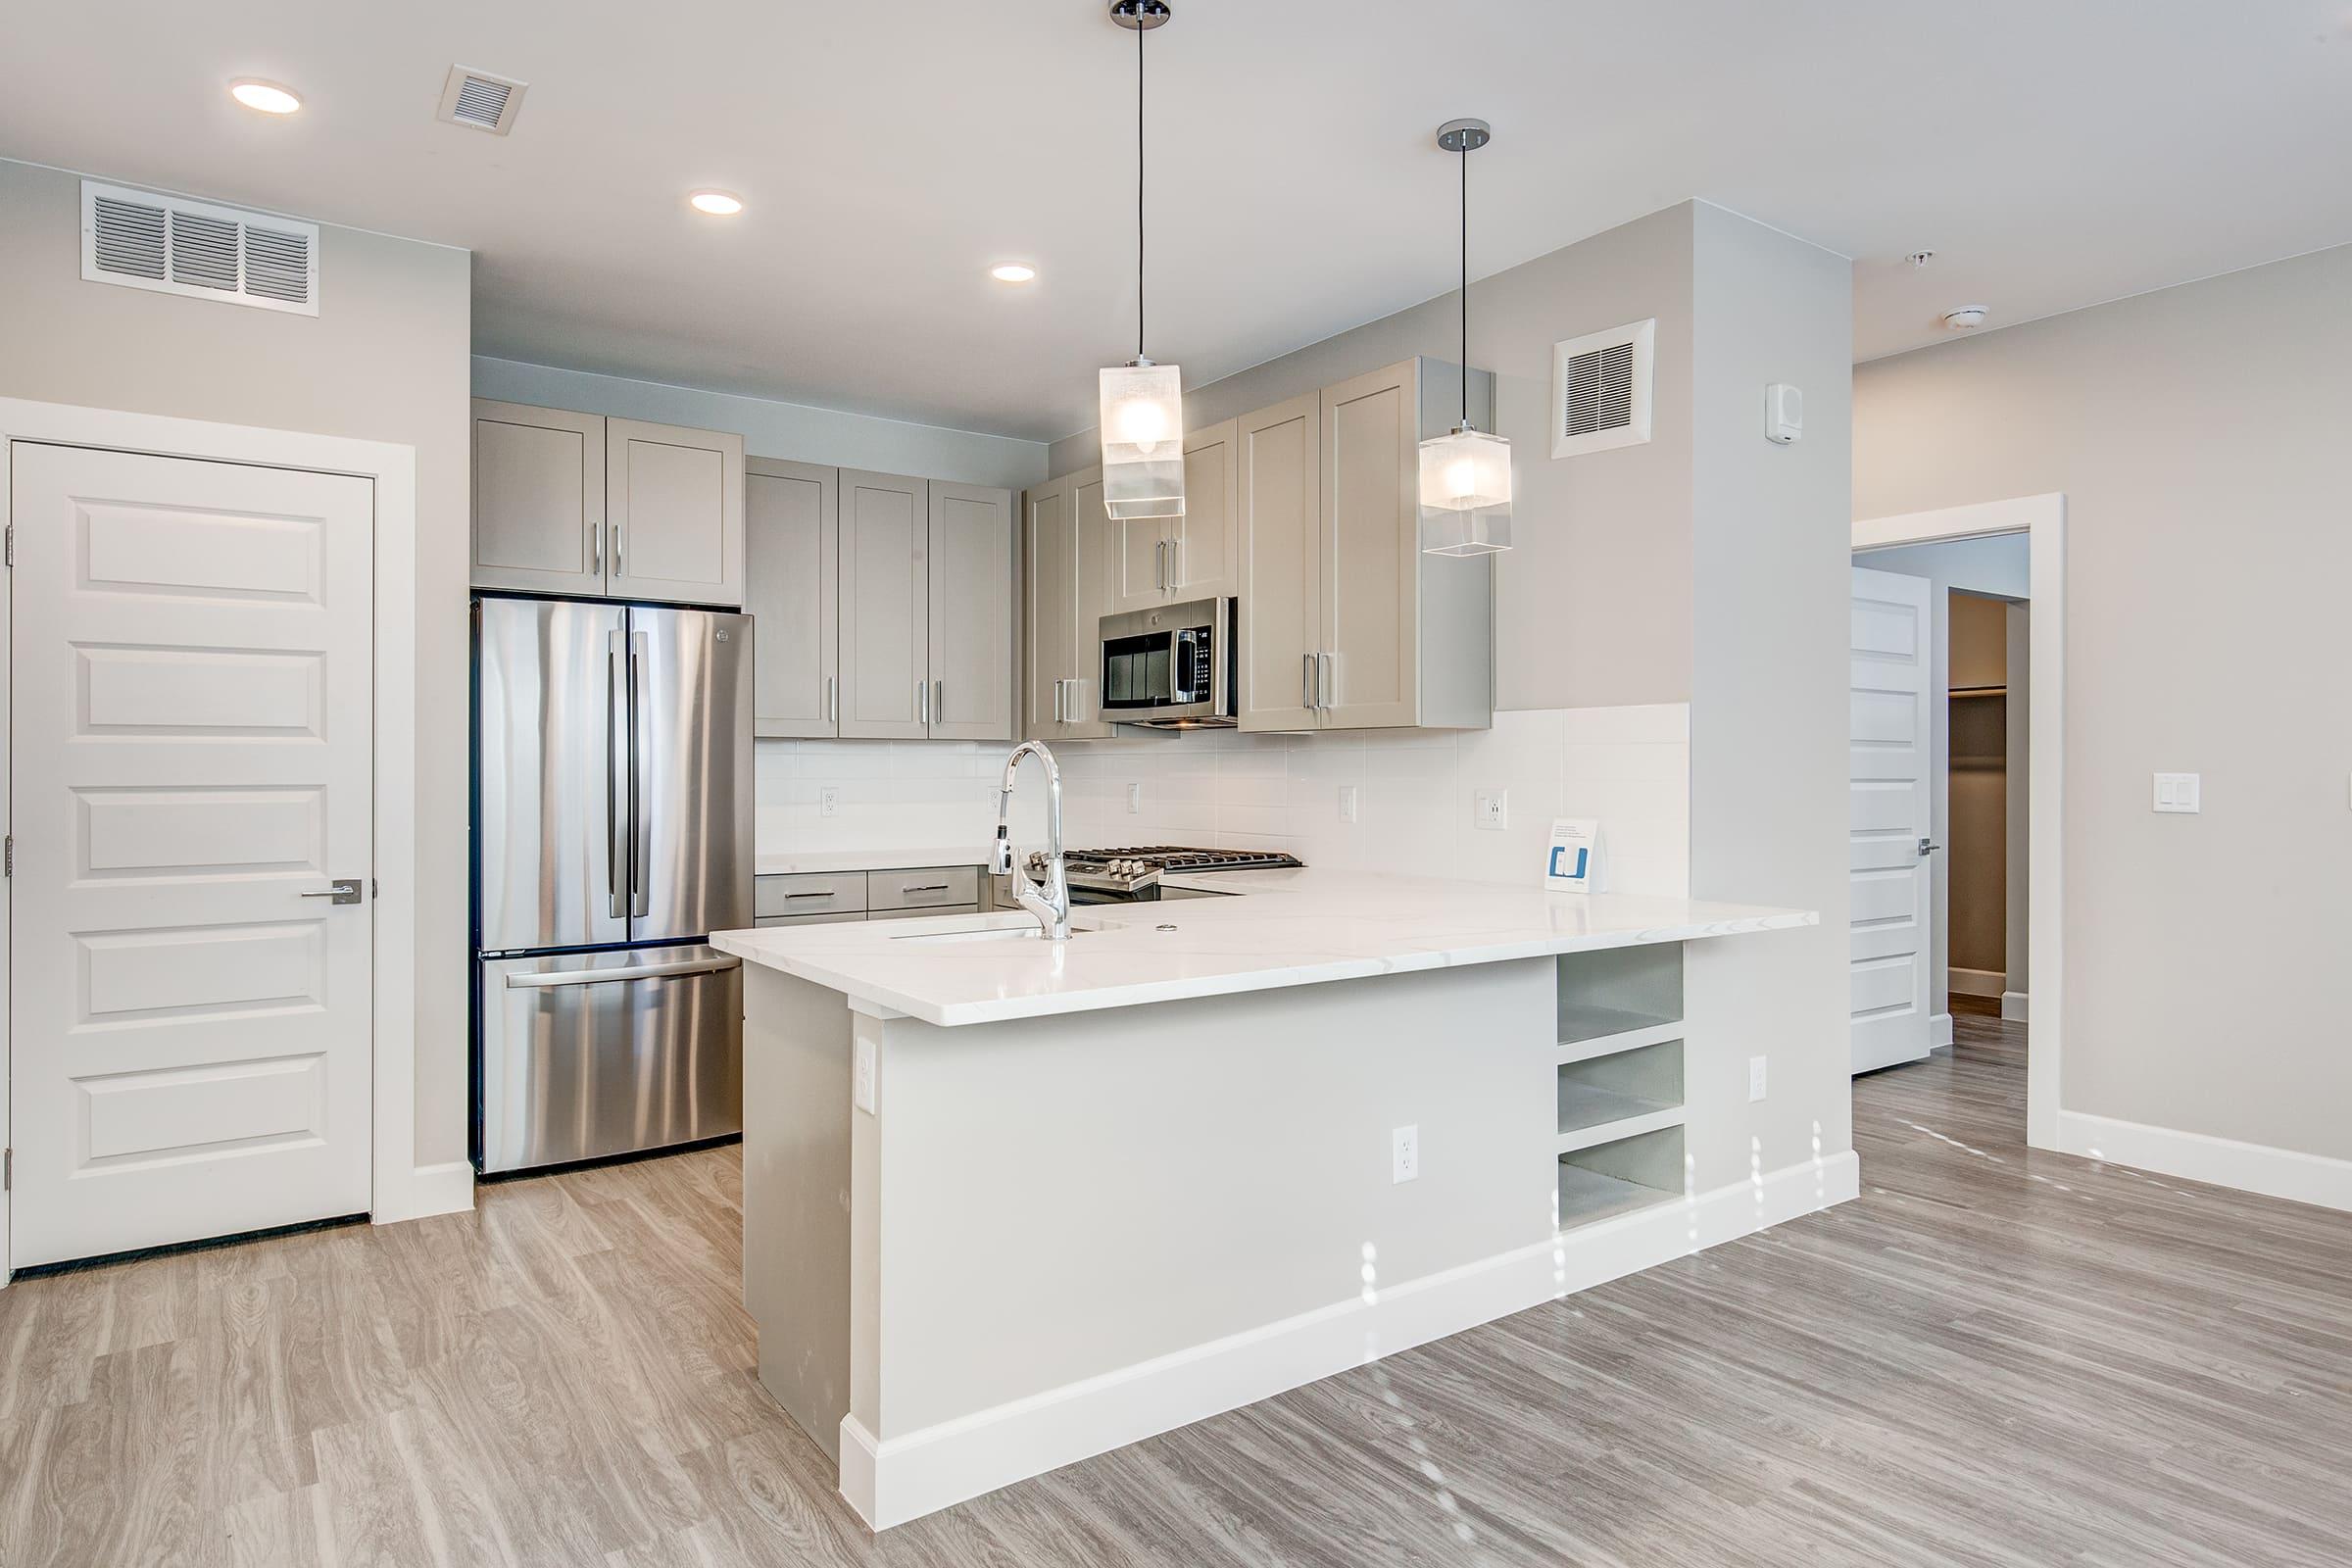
{"type": "Point", "coordinates": [1993, 1357]}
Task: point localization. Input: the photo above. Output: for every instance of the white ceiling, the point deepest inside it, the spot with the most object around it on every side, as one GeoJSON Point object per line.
{"type": "Point", "coordinates": [2053, 153]}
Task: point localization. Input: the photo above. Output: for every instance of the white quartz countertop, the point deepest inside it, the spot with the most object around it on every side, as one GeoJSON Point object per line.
{"type": "Point", "coordinates": [1288, 928]}
{"type": "Point", "coordinates": [788, 862]}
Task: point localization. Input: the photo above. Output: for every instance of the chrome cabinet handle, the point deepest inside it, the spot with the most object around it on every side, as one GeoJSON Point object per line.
{"type": "Point", "coordinates": [922, 702]}
{"type": "Point", "coordinates": [832, 699]}
{"type": "Point", "coordinates": [1326, 680]}
{"type": "Point", "coordinates": [939, 702]}
{"type": "Point", "coordinates": [827, 894]}
{"type": "Point", "coordinates": [1175, 564]}
{"type": "Point", "coordinates": [1062, 702]}
{"type": "Point", "coordinates": [1160, 563]}
{"type": "Point", "coordinates": [927, 887]}
{"type": "Point", "coordinates": [616, 567]}
{"type": "Point", "coordinates": [596, 550]}
{"type": "Point", "coordinates": [1306, 680]}
{"type": "Point", "coordinates": [343, 890]}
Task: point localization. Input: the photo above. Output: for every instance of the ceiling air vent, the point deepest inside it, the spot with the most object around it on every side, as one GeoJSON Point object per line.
{"type": "Point", "coordinates": [175, 246]}
{"type": "Point", "coordinates": [478, 99]}
{"type": "Point", "coordinates": [1600, 389]}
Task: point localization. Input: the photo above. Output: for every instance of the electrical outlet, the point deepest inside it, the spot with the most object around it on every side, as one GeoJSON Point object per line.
{"type": "Point", "coordinates": [1347, 803]}
{"type": "Point", "coordinates": [1755, 1078]}
{"type": "Point", "coordinates": [1491, 811]}
{"type": "Point", "coordinates": [1404, 1153]}
{"type": "Point", "coordinates": [2178, 792]}
{"type": "Point", "coordinates": [1135, 800]}
{"type": "Point", "coordinates": [862, 1088]}
{"type": "Point", "coordinates": [829, 801]}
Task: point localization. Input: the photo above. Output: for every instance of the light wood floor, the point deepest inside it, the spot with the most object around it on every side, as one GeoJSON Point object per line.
{"type": "Point", "coordinates": [1993, 1358]}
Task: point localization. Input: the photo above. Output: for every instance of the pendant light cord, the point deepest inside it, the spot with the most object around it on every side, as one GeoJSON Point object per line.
{"type": "Point", "coordinates": [1139, 192]}
{"type": "Point", "coordinates": [1466, 284]}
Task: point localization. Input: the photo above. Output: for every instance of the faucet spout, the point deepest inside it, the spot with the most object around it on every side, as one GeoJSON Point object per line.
{"type": "Point", "coordinates": [1052, 907]}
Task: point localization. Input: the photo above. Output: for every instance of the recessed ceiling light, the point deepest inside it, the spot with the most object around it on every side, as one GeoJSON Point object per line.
{"type": "Point", "coordinates": [269, 97]}
{"type": "Point", "coordinates": [1012, 272]}
{"type": "Point", "coordinates": [717, 203]}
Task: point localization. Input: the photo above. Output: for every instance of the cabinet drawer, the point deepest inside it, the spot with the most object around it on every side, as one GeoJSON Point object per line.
{"type": "Point", "coordinates": [926, 888]}
{"type": "Point", "coordinates": [924, 911]}
{"type": "Point", "coordinates": [808, 894]}
{"type": "Point", "coordinates": [810, 919]}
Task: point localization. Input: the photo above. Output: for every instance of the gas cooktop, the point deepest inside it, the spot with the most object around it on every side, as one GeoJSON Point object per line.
{"type": "Point", "coordinates": [1104, 875]}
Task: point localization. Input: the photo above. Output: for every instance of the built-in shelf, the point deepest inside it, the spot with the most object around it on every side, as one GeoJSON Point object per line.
{"type": "Point", "coordinates": [1617, 991]}
{"type": "Point", "coordinates": [1621, 1176]}
{"type": "Point", "coordinates": [1589, 1116]}
{"type": "Point", "coordinates": [1597, 1031]}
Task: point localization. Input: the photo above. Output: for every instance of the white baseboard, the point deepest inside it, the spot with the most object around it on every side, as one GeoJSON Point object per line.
{"type": "Point", "coordinates": [2013, 1006]}
{"type": "Point", "coordinates": [2201, 1158]}
{"type": "Point", "coordinates": [891, 1480]}
{"type": "Point", "coordinates": [1978, 982]}
{"type": "Point", "coordinates": [431, 1189]}
{"type": "Point", "coordinates": [1940, 1032]}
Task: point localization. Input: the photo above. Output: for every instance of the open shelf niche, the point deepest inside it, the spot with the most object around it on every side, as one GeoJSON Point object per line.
{"type": "Point", "coordinates": [1618, 991]}
{"type": "Point", "coordinates": [1620, 1176]}
{"type": "Point", "coordinates": [1625, 1092]}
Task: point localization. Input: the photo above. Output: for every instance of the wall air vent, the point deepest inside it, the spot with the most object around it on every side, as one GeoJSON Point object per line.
{"type": "Point", "coordinates": [1600, 389]}
{"type": "Point", "coordinates": [480, 100]}
{"type": "Point", "coordinates": [175, 246]}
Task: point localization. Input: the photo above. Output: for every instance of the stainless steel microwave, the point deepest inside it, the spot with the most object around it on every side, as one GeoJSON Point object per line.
{"type": "Point", "coordinates": [1171, 667]}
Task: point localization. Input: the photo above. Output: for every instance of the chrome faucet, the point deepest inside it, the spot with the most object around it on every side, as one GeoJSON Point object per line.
{"type": "Point", "coordinates": [1052, 907]}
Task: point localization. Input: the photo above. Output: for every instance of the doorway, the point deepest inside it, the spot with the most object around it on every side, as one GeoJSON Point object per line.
{"type": "Point", "coordinates": [2011, 551]}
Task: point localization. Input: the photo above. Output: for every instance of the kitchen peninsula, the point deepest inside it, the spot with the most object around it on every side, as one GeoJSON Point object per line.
{"type": "Point", "coordinates": [1008, 1202]}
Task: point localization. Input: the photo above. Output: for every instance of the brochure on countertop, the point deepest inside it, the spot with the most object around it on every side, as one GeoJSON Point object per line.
{"type": "Point", "coordinates": [1572, 861]}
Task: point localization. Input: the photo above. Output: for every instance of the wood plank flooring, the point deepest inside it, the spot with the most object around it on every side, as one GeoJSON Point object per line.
{"type": "Point", "coordinates": [1993, 1358]}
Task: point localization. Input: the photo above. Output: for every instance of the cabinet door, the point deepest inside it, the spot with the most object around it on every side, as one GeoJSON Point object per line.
{"type": "Point", "coordinates": [970, 637]}
{"type": "Point", "coordinates": [538, 499]}
{"type": "Point", "coordinates": [793, 552]}
{"type": "Point", "coordinates": [673, 514]}
{"type": "Point", "coordinates": [1049, 551]}
{"type": "Point", "coordinates": [1281, 562]}
{"type": "Point", "coordinates": [1371, 550]}
{"type": "Point", "coordinates": [1204, 545]}
{"type": "Point", "coordinates": [885, 609]}
{"type": "Point", "coordinates": [1136, 561]}
{"type": "Point", "coordinates": [1090, 592]}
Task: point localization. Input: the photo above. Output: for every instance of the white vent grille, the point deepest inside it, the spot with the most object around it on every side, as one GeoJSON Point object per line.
{"type": "Point", "coordinates": [1600, 389]}
{"type": "Point", "coordinates": [175, 246]}
{"type": "Point", "coordinates": [480, 100]}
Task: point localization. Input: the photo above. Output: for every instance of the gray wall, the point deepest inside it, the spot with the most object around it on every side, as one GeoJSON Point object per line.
{"type": "Point", "coordinates": [1771, 535]}
{"type": "Point", "coordinates": [1997, 565]}
{"type": "Point", "coordinates": [385, 359]}
{"type": "Point", "coordinates": [771, 429]}
{"type": "Point", "coordinates": [2199, 437]}
{"type": "Point", "coordinates": [1592, 607]}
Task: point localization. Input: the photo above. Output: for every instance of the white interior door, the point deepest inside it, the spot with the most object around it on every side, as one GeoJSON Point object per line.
{"type": "Point", "coordinates": [191, 654]}
{"type": "Point", "coordinates": [1888, 821]}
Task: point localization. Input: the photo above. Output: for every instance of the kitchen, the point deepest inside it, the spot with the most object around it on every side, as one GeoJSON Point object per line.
{"type": "Point", "coordinates": [770, 892]}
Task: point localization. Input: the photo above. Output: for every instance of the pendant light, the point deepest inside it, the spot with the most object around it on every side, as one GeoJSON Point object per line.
{"type": "Point", "coordinates": [1465, 476]}
{"type": "Point", "coordinates": [1142, 402]}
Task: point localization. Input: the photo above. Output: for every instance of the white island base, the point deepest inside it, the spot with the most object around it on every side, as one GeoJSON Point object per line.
{"type": "Point", "coordinates": [979, 1252]}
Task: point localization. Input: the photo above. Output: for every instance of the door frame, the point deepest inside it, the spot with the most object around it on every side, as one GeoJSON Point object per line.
{"type": "Point", "coordinates": [2043, 519]}
{"type": "Point", "coordinates": [399, 1188]}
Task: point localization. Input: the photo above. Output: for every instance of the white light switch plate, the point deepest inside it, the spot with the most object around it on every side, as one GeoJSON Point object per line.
{"type": "Point", "coordinates": [1347, 803]}
{"type": "Point", "coordinates": [1404, 1153]}
{"type": "Point", "coordinates": [1491, 811]}
{"type": "Point", "coordinates": [1135, 799]}
{"type": "Point", "coordinates": [2178, 792]}
{"type": "Point", "coordinates": [1755, 1078]}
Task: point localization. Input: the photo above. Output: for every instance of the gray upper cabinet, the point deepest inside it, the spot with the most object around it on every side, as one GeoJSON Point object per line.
{"type": "Point", "coordinates": [673, 514]}
{"type": "Point", "coordinates": [885, 606]}
{"type": "Point", "coordinates": [584, 505]}
{"type": "Point", "coordinates": [1346, 624]}
{"type": "Point", "coordinates": [1205, 555]}
{"type": "Point", "coordinates": [971, 604]}
{"type": "Point", "coordinates": [1066, 548]}
{"type": "Point", "coordinates": [538, 499]}
{"type": "Point", "coordinates": [792, 514]}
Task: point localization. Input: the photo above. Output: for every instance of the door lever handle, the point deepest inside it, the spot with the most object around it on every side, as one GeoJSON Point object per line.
{"type": "Point", "coordinates": [343, 890]}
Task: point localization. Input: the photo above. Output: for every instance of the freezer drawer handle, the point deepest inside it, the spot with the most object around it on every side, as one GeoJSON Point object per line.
{"type": "Point", "coordinates": [643, 971]}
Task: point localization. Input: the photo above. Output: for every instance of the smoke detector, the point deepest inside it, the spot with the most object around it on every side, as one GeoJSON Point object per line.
{"type": "Point", "coordinates": [480, 100]}
{"type": "Point", "coordinates": [1967, 318]}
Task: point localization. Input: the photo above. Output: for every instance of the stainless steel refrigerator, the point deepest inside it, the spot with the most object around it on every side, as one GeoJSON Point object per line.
{"type": "Point", "coordinates": [613, 807]}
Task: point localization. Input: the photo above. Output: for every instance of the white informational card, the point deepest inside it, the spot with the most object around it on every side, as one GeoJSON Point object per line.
{"type": "Point", "coordinates": [1572, 861]}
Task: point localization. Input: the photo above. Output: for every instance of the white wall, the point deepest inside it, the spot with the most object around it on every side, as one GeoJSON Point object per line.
{"type": "Point", "coordinates": [2199, 437]}
{"type": "Point", "coordinates": [1997, 565]}
{"type": "Point", "coordinates": [385, 359]}
{"type": "Point", "coordinates": [773, 429]}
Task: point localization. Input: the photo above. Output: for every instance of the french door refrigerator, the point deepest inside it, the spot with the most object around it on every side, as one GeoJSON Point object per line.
{"type": "Point", "coordinates": [613, 809]}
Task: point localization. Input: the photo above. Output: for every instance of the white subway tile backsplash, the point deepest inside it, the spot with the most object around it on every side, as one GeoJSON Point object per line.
{"type": "Point", "coordinates": [1629, 766]}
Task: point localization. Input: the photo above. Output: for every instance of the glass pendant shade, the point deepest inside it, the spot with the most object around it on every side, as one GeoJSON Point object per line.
{"type": "Point", "coordinates": [1465, 494]}
{"type": "Point", "coordinates": [1142, 441]}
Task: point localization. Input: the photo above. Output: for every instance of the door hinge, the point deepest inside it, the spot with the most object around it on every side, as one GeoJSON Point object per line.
{"type": "Point", "coordinates": [8, 1170]}
{"type": "Point", "coordinates": [12, 544]}
{"type": "Point", "coordinates": [10, 867]}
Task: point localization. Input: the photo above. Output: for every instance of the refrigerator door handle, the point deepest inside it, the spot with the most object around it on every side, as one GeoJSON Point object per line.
{"type": "Point", "coordinates": [641, 744]}
{"type": "Point", "coordinates": [617, 801]}
{"type": "Point", "coordinates": [642, 971]}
